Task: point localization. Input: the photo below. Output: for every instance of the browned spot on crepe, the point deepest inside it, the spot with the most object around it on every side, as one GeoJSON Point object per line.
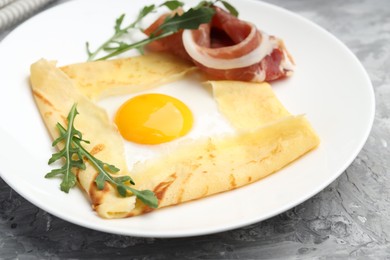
{"type": "Point", "coordinates": [206, 192]}
{"type": "Point", "coordinates": [96, 149]}
{"type": "Point", "coordinates": [42, 98]}
{"type": "Point", "coordinates": [232, 181]}
{"type": "Point", "coordinates": [47, 114]}
{"type": "Point", "coordinates": [181, 191]}
{"type": "Point", "coordinates": [161, 188]}
{"type": "Point", "coordinates": [96, 194]}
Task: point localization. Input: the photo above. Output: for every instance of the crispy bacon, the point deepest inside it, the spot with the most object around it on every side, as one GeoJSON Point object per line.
{"type": "Point", "coordinates": [228, 48]}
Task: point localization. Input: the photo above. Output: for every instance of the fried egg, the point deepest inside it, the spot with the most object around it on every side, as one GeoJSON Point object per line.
{"type": "Point", "coordinates": [153, 119]}
{"type": "Point", "coordinates": [155, 122]}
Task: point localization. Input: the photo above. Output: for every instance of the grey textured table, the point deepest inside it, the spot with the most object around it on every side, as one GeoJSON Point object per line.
{"type": "Point", "coordinates": [350, 218]}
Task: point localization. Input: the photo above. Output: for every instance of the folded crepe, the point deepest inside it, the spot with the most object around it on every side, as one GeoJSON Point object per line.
{"type": "Point", "coordinates": [100, 79]}
{"type": "Point", "coordinates": [267, 139]}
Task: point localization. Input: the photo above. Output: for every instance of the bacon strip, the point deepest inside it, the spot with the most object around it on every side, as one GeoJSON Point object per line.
{"type": "Point", "coordinates": [228, 48]}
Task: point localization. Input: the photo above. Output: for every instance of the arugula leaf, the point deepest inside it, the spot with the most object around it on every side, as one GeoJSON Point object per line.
{"type": "Point", "coordinates": [191, 19]}
{"type": "Point", "coordinates": [230, 8]}
{"type": "Point", "coordinates": [72, 156]}
{"type": "Point", "coordinates": [144, 12]}
{"type": "Point", "coordinates": [172, 5]}
{"type": "Point", "coordinates": [75, 154]}
{"type": "Point", "coordinates": [118, 23]}
{"type": "Point", "coordinates": [146, 196]}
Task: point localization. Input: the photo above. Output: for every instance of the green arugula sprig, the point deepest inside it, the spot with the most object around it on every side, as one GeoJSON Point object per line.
{"type": "Point", "coordinates": [232, 10]}
{"type": "Point", "coordinates": [113, 42]}
{"type": "Point", "coordinates": [191, 19]}
{"type": "Point", "coordinates": [72, 155]}
{"type": "Point", "coordinates": [75, 156]}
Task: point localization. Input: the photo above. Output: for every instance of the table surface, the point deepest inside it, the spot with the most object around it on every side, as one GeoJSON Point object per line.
{"type": "Point", "coordinates": [349, 218]}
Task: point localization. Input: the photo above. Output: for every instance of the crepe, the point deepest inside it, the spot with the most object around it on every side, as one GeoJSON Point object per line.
{"type": "Point", "coordinates": [247, 105]}
{"type": "Point", "coordinates": [220, 164]}
{"type": "Point", "coordinates": [55, 94]}
{"type": "Point", "coordinates": [195, 169]}
{"type": "Point", "coordinates": [101, 79]}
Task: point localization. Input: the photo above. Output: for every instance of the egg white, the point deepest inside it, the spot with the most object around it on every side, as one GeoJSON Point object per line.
{"type": "Point", "coordinates": [208, 121]}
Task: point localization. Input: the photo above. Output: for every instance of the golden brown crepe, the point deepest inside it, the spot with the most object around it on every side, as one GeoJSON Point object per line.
{"type": "Point", "coordinates": [55, 93]}
{"type": "Point", "coordinates": [247, 105]}
{"type": "Point", "coordinates": [123, 76]}
{"type": "Point", "coordinates": [220, 164]}
{"type": "Point", "coordinates": [268, 138]}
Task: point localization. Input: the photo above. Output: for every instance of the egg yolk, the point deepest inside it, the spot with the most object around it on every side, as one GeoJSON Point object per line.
{"type": "Point", "coordinates": [153, 119]}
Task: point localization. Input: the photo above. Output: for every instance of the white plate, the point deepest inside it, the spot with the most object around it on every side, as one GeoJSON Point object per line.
{"type": "Point", "coordinates": [330, 86]}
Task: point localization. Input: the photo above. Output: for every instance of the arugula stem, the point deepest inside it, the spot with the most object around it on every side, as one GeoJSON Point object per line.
{"type": "Point", "coordinates": [118, 33]}
{"type": "Point", "coordinates": [135, 45]}
{"type": "Point", "coordinates": [92, 55]}
{"type": "Point", "coordinates": [69, 136]}
{"type": "Point", "coordinates": [92, 160]}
